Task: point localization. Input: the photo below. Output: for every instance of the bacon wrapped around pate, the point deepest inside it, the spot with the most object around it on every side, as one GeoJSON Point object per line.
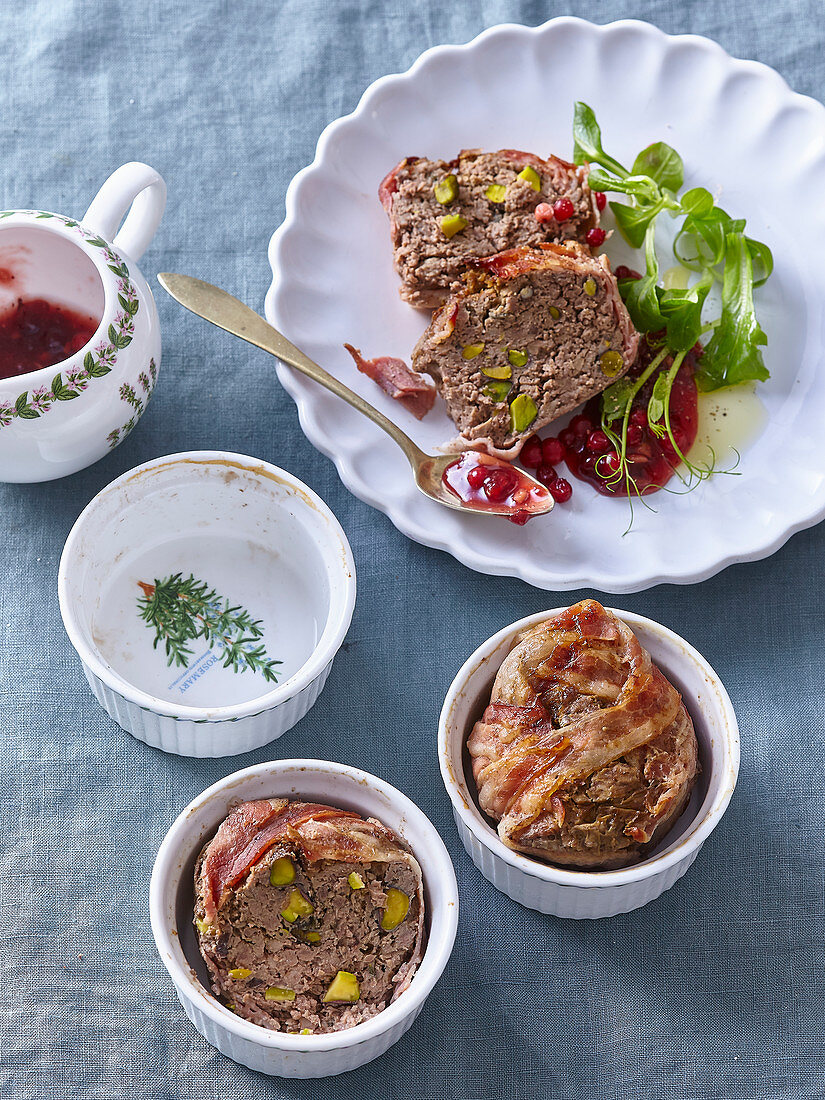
{"type": "Point", "coordinates": [586, 755]}
{"type": "Point", "coordinates": [309, 918]}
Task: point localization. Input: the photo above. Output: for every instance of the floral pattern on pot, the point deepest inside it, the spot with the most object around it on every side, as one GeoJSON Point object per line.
{"type": "Point", "coordinates": [32, 404]}
{"type": "Point", "coordinates": [132, 396]}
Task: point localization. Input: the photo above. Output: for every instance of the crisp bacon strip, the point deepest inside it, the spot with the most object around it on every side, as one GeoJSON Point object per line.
{"type": "Point", "coordinates": [526, 258]}
{"type": "Point", "coordinates": [308, 829]}
{"type": "Point", "coordinates": [520, 158]}
{"type": "Point", "coordinates": [557, 167]}
{"type": "Point", "coordinates": [572, 664]}
{"type": "Point", "coordinates": [416, 393]}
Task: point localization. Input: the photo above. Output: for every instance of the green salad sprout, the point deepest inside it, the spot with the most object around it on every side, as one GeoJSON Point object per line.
{"type": "Point", "coordinates": [710, 243]}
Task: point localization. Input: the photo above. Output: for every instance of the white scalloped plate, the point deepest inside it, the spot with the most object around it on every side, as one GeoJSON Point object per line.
{"type": "Point", "coordinates": [742, 133]}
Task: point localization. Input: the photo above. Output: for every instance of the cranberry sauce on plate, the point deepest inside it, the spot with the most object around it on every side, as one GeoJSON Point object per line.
{"type": "Point", "coordinates": [651, 457]}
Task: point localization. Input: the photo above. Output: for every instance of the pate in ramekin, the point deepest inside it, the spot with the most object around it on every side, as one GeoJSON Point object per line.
{"type": "Point", "coordinates": [172, 907]}
{"type": "Point", "coordinates": [565, 891]}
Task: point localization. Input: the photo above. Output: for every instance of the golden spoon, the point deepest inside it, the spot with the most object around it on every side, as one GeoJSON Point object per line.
{"type": "Point", "coordinates": [215, 305]}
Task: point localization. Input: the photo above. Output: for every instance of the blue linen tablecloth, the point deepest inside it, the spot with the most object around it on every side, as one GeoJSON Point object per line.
{"type": "Point", "coordinates": [716, 989]}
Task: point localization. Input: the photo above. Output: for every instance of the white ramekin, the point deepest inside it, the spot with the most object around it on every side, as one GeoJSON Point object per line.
{"type": "Point", "coordinates": [588, 894]}
{"type": "Point", "coordinates": [168, 513]}
{"type": "Point", "coordinates": [171, 910]}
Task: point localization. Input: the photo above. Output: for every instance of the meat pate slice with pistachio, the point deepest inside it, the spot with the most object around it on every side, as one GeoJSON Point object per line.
{"type": "Point", "coordinates": [309, 918]}
{"type": "Point", "coordinates": [445, 214]}
{"type": "Point", "coordinates": [532, 333]}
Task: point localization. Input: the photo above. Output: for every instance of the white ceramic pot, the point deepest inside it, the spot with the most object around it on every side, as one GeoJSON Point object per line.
{"type": "Point", "coordinates": [569, 893]}
{"type": "Point", "coordinates": [171, 906]}
{"type": "Point", "coordinates": [206, 594]}
{"type": "Point", "coordinates": [60, 419]}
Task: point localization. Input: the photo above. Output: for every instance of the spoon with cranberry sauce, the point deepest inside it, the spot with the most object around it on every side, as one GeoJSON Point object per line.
{"type": "Point", "coordinates": [482, 482]}
{"type": "Point", "coordinates": [498, 490]}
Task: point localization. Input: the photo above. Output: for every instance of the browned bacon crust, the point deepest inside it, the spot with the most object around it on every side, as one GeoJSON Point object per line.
{"type": "Point", "coordinates": [586, 752]}
{"type": "Point", "coordinates": [315, 831]}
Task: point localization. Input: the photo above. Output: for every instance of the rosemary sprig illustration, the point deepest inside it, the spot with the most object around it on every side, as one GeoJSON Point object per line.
{"type": "Point", "coordinates": [181, 610]}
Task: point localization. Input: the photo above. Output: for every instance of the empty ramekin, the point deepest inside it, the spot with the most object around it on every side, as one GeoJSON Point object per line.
{"type": "Point", "coordinates": [171, 906]}
{"type": "Point", "coordinates": [206, 594]}
{"type": "Point", "coordinates": [590, 894]}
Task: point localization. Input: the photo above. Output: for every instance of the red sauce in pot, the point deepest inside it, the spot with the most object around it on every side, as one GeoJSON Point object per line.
{"type": "Point", "coordinates": [35, 333]}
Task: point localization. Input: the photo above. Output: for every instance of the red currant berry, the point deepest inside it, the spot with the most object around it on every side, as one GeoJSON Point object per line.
{"type": "Point", "coordinates": [552, 451]}
{"type": "Point", "coordinates": [531, 453]}
{"type": "Point", "coordinates": [476, 476]}
{"type": "Point", "coordinates": [624, 272]}
{"type": "Point", "coordinates": [588, 465]}
{"type": "Point", "coordinates": [634, 434]}
{"type": "Point", "coordinates": [639, 417]}
{"type": "Point", "coordinates": [546, 474]}
{"type": "Point", "coordinates": [608, 464]}
{"type": "Point", "coordinates": [598, 442]}
{"type": "Point", "coordinates": [520, 517]}
{"type": "Point", "coordinates": [581, 425]}
{"type": "Point", "coordinates": [561, 490]}
{"type": "Point", "coordinates": [601, 199]}
{"type": "Point", "coordinates": [595, 237]}
{"type": "Point", "coordinates": [499, 483]}
{"type": "Point", "coordinates": [563, 210]}
{"type": "Point", "coordinates": [544, 213]}
{"type": "Point", "coordinates": [568, 439]}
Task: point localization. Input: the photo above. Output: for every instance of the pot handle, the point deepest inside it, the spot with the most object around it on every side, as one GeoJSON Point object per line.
{"type": "Point", "coordinates": [135, 188]}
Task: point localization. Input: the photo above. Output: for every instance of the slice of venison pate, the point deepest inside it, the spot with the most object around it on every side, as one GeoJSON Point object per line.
{"type": "Point", "coordinates": [531, 334]}
{"type": "Point", "coordinates": [446, 214]}
{"type": "Point", "coordinates": [309, 918]}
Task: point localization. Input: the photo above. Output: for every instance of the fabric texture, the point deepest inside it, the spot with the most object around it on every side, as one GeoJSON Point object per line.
{"type": "Point", "coordinates": [713, 991]}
